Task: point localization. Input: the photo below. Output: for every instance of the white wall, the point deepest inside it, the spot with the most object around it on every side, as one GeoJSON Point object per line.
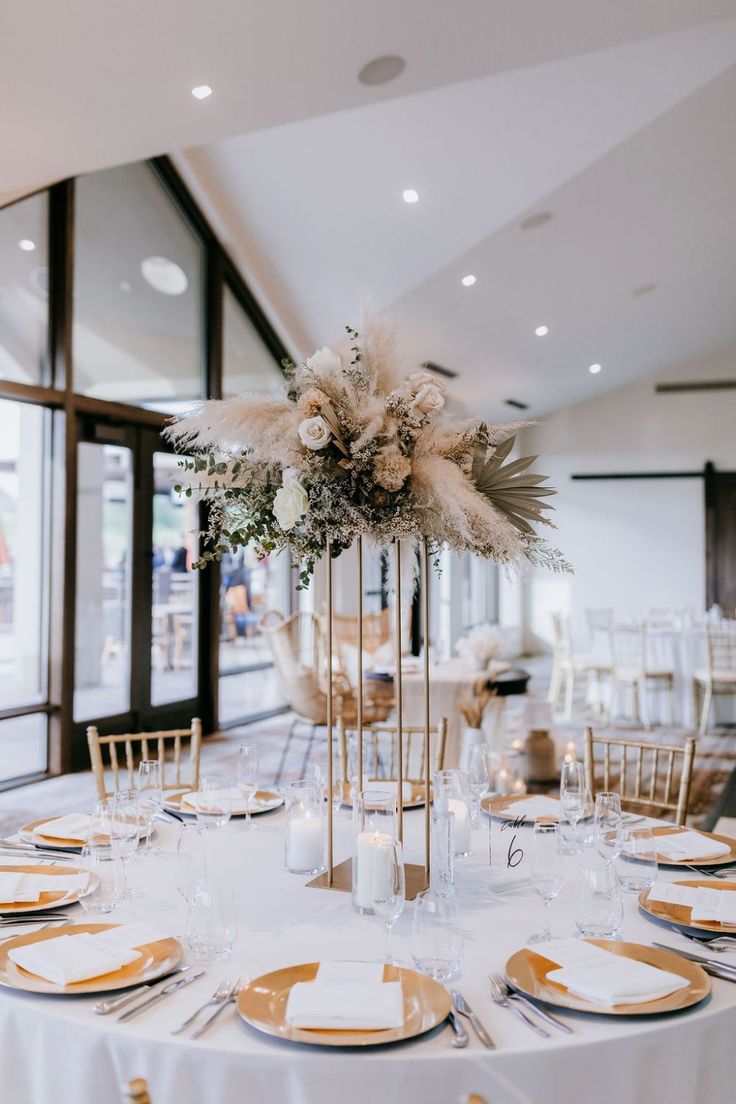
{"type": "Point", "coordinates": [634, 543]}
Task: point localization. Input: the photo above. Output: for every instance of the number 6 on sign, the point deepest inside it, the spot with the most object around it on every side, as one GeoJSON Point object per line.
{"type": "Point", "coordinates": [508, 847]}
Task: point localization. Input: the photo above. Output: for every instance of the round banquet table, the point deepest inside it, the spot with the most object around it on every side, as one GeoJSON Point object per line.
{"type": "Point", "coordinates": [56, 1048]}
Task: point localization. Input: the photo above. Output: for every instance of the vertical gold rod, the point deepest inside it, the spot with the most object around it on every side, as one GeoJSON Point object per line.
{"type": "Point", "coordinates": [360, 664]}
{"type": "Point", "coordinates": [399, 696]}
{"type": "Point", "coordinates": [427, 765]}
{"type": "Point", "coordinates": [330, 857]}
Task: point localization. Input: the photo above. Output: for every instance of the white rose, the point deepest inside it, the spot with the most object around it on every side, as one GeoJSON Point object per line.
{"type": "Point", "coordinates": [324, 360]}
{"type": "Point", "coordinates": [314, 433]}
{"type": "Point", "coordinates": [290, 501]}
{"type": "Point", "coordinates": [428, 399]}
{"type": "Point", "coordinates": [419, 379]}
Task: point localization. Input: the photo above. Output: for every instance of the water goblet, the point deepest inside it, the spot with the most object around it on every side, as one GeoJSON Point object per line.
{"type": "Point", "coordinates": [388, 893]}
{"type": "Point", "coordinates": [547, 872]}
{"type": "Point", "coordinates": [248, 761]}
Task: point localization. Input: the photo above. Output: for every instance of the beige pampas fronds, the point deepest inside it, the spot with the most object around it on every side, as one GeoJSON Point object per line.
{"type": "Point", "coordinates": [512, 488]}
{"type": "Point", "coordinates": [379, 355]}
{"type": "Point", "coordinates": [266, 428]}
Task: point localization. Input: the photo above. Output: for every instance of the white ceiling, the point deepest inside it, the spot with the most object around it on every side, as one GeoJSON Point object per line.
{"type": "Point", "coordinates": [615, 117]}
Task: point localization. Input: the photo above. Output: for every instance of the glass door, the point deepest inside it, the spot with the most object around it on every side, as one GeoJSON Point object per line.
{"type": "Point", "coordinates": [138, 599]}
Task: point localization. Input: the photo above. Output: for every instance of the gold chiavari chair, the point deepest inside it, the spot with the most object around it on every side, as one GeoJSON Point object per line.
{"type": "Point", "coordinates": [146, 745]}
{"type": "Point", "coordinates": [380, 751]}
{"type": "Point", "coordinates": [633, 769]}
{"type": "Point", "coordinates": [136, 1092]}
{"type": "Point", "coordinates": [719, 675]}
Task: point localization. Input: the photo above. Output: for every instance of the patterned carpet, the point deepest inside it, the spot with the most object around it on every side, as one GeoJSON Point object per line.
{"type": "Point", "coordinates": [288, 746]}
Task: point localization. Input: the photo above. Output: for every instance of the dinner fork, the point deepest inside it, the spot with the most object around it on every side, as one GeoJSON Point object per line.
{"type": "Point", "coordinates": [6, 938]}
{"type": "Point", "coordinates": [541, 1012]}
{"type": "Point", "coordinates": [721, 943]}
{"type": "Point", "coordinates": [230, 999]}
{"type": "Point", "coordinates": [219, 997]}
{"type": "Point", "coordinates": [499, 997]}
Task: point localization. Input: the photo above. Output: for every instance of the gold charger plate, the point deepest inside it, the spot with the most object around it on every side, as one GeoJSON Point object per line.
{"type": "Point", "coordinates": [717, 860]}
{"type": "Point", "coordinates": [680, 914]}
{"type": "Point", "coordinates": [527, 971]}
{"type": "Point", "coordinates": [48, 899]}
{"type": "Point", "coordinates": [267, 800]}
{"type": "Point", "coordinates": [29, 834]}
{"type": "Point", "coordinates": [414, 802]}
{"type": "Point", "coordinates": [154, 960]}
{"type": "Point", "coordinates": [263, 1005]}
{"type": "Point", "coordinates": [503, 807]}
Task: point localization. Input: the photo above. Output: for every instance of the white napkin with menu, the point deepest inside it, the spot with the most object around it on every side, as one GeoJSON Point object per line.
{"type": "Point", "coordinates": [75, 826]}
{"type": "Point", "coordinates": [238, 804]}
{"type": "Point", "coordinates": [606, 978]}
{"type": "Point", "coordinates": [376, 785]}
{"type": "Point", "coordinates": [533, 807]}
{"type": "Point", "coordinates": [689, 845]}
{"type": "Point", "coordinates": [27, 888]}
{"type": "Point", "coordinates": [705, 904]}
{"type": "Point", "coordinates": [346, 996]}
{"type": "Point", "coordinates": [69, 958]}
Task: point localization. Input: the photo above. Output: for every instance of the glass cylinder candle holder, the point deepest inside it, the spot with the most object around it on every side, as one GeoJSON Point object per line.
{"type": "Point", "coordinates": [374, 831]}
{"type": "Point", "coordinates": [305, 828]}
{"type": "Point", "coordinates": [442, 844]}
{"type": "Point", "coordinates": [453, 784]}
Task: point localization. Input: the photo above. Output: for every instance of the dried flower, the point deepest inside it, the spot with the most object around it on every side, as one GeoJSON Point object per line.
{"type": "Point", "coordinates": [310, 402]}
{"type": "Point", "coordinates": [391, 468]}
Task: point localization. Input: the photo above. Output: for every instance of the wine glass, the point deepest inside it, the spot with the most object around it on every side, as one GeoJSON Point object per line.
{"type": "Point", "coordinates": [572, 794]}
{"type": "Point", "coordinates": [149, 795]}
{"type": "Point", "coordinates": [248, 777]}
{"type": "Point", "coordinates": [608, 826]}
{"type": "Point", "coordinates": [437, 942]}
{"type": "Point", "coordinates": [388, 893]}
{"type": "Point", "coordinates": [214, 804]}
{"type": "Point", "coordinates": [478, 779]}
{"type": "Point", "coordinates": [547, 874]}
{"type": "Point", "coordinates": [191, 867]}
{"type": "Point", "coordinates": [125, 834]}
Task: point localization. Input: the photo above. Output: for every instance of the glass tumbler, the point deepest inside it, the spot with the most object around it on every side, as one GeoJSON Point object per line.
{"type": "Point", "coordinates": [213, 924]}
{"type": "Point", "coordinates": [305, 828]}
{"type": "Point", "coordinates": [636, 864]}
{"type": "Point", "coordinates": [599, 908]}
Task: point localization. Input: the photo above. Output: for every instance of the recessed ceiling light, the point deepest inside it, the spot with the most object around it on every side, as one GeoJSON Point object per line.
{"type": "Point", "coordinates": [595, 369]}
{"type": "Point", "coordinates": [382, 70]}
{"type": "Point", "coordinates": [468, 281]}
{"type": "Point", "coordinates": [531, 222]}
{"type": "Point", "coordinates": [201, 92]}
{"type": "Point", "coordinates": [26, 245]}
{"type": "Point", "coordinates": [643, 289]}
{"type": "Point", "coordinates": [542, 331]}
{"type": "Point", "coordinates": [410, 195]}
{"type": "Point", "coordinates": [164, 275]}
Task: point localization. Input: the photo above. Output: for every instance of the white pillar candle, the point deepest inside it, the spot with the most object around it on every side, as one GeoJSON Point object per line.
{"type": "Point", "coordinates": [462, 825]}
{"type": "Point", "coordinates": [304, 845]}
{"type": "Point", "coordinates": [373, 875]}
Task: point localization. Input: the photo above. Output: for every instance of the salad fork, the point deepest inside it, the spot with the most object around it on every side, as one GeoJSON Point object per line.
{"type": "Point", "coordinates": [219, 997]}
{"type": "Point", "coordinates": [230, 999]}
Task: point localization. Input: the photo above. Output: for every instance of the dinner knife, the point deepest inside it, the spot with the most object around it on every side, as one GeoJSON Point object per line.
{"type": "Point", "coordinates": [710, 965]}
{"type": "Point", "coordinates": [103, 1008]}
{"type": "Point", "coordinates": [179, 983]}
{"type": "Point", "coordinates": [464, 1009]}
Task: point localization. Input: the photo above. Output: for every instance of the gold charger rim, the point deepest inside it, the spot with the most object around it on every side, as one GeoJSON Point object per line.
{"type": "Point", "coordinates": [715, 860]}
{"type": "Point", "coordinates": [663, 910]}
{"type": "Point", "coordinates": [159, 957]}
{"type": "Point", "coordinates": [29, 834]}
{"type": "Point", "coordinates": [68, 897]}
{"type": "Point", "coordinates": [501, 806]}
{"type": "Point", "coordinates": [275, 986]}
{"type": "Point", "coordinates": [174, 803]}
{"type": "Point", "coordinates": [530, 978]}
{"type": "Point", "coordinates": [418, 794]}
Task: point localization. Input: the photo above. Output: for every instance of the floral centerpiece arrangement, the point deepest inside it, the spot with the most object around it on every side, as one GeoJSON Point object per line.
{"type": "Point", "coordinates": [356, 448]}
{"type": "Point", "coordinates": [479, 646]}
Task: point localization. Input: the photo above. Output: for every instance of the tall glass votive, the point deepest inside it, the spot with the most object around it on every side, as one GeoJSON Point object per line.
{"type": "Point", "coordinates": [442, 847]}
{"type": "Point", "coordinates": [453, 784]}
{"type": "Point", "coordinates": [305, 828]}
{"type": "Point", "coordinates": [374, 832]}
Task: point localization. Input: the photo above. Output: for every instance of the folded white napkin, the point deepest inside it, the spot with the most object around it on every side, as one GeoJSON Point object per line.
{"type": "Point", "coordinates": [27, 888]}
{"type": "Point", "coordinates": [238, 804]}
{"type": "Point", "coordinates": [689, 845]}
{"type": "Point", "coordinates": [69, 958]}
{"type": "Point", "coordinates": [596, 974]}
{"type": "Point", "coordinates": [714, 905]}
{"type": "Point", "coordinates": [378, 785]}
{"type": "Point", "coordinates": [75, 826]}
{"type": "Point", "coordinates": [346, 996]}
{"type": "Point", "coordinates": [533, 807]}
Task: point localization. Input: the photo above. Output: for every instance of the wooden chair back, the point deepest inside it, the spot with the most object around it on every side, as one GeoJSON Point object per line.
{"type": "Point", "coordinates": [381, 746]}
{"type": "Point", "coordinates": [146, 745]}
{"type": "Point", "coordinates": [136, 1092]}
{"type": "Point", "coordinates": [377, 630]}
{"type": "Point", "coordinates": [298, 653]}
{"type": "Point", "coordinates": [634, 770]}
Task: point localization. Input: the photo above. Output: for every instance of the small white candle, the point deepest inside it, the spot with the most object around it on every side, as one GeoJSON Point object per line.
{"type": "Point", "coordinates": [373, 874]}
{"type": "Point", "coordinates": [463, 842]}
{"type": "Point", "coordinates": [519, 786]}
{"type": "Point", "coordinates": [570, 753]}
{"type": "Point", "coordinates": [304, 844]}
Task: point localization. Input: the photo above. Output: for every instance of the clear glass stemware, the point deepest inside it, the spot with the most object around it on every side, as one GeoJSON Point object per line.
{"type": "Point", "coordinates": [248, 776]}
{"type": "Point", "coordinates": [547, 870]}
{"type": "Point", "coordinates": [388, 895]}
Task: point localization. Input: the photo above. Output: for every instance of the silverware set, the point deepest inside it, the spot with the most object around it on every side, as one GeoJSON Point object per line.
{"type": "Point", "coordinates": [706, 873]}
{"type": "Point", "coordinates": [225, 994]}
{"type": "Point", "coordinates": [712, 966]}
{"type": "Point", "coordinates": [507, 997]}
{"type": "Point", "coordinates": [462, 1006]}
{"type": "Point", "coordinates": [720, 943]}
{"type": "Point", "coordinates": [160, 992]}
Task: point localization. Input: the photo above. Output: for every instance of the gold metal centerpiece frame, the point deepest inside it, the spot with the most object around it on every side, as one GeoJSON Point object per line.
{"type": "Point", "coordinates": [340, 877]}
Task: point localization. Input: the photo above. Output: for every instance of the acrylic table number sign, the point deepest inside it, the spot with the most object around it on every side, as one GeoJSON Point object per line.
{"type": "Point", "coordinates": [510, 849]}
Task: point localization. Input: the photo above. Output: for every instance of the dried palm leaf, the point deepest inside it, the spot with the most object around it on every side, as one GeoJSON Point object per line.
{"type": "Point", "coordinates": [511, 488]}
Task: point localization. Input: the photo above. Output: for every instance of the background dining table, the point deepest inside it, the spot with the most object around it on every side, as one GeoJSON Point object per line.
{"type": "Point", "coordinates": [57, 1049]}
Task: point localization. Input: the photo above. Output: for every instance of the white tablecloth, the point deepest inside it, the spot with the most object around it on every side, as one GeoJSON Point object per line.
{"type": "Point", "coordinates": [56, 1049]}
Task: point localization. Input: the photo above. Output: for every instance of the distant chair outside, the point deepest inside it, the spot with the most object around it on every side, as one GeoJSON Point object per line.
{"type": "Point", "coordinates": [633, 769]}
{"type": "Point", "coordinates": [380, 751]}
{"type": "Point", "coordinates": [566, 666]}
{"type": "Point", "coordinates": [718, 677]}
{"type": "Point", "coordinates": [642, 664]}
{"type": "Point", "coordinates": [146, 745]}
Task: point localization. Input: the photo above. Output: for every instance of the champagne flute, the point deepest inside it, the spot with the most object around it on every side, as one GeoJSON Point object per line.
{"type": "Point", "coordinates": [547, 873]}
{"type": "Point", "coordinates": [478, 779]}
{"type": "Point", "coordinates": [191, 868]}
{"type": "Point", "coordinates": [125, 834]}
{"type": "Point", "coordinates": [388, 895]}
{"type": "Point", "coordinates": [248, 777]}
{"type": "Point", "coordinates": [608, 826]}
{"type": "Point", "coordinates": [149, 795]}
{"type": "Point", "coordinates": [572, 794]}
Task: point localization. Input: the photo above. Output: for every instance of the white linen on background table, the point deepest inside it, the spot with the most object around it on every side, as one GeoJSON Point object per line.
{"type": "Point", "coordinates": [56, 1049]}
